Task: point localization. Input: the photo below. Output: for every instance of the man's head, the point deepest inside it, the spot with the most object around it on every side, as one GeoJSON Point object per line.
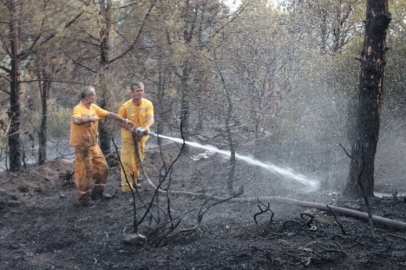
{"type": "Point", "coordinates": [88, 95]}
{"type": "Point", "coordinates": [137, 91]}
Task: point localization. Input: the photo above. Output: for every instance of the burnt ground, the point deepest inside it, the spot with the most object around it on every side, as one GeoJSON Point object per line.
{"type": "Point", "coordinates": [43, 227]}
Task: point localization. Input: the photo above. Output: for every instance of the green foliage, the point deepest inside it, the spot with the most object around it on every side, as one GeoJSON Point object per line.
{"type": "Point", "coordinates": [58, 120]}
{"type": "Point", "coordinates": [59, 123]}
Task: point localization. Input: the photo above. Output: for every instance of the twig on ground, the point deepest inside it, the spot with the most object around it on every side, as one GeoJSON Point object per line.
{"type": "Point", "coordinates": [336, 220]}
{"type": "Point", "coordinates": [9, 180]}
{"type": "Point", "coordinates": [397, 236]}
{"type": "Point", "coordinates": [331, 250]}
{"type": "Point", "coordinates": [135, 224]}
{"type": "Point", "coordinates": [395, 196]}
{"type": "Point", "coordinates": [370, 220]}
{"type": "Point", "coordinates": [262, 211]}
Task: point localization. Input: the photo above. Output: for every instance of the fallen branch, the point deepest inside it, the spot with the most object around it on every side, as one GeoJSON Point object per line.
{"type": "Point", "coordinates": [11, 177]}
{"type": "Point", "coordinates": [338, 210]}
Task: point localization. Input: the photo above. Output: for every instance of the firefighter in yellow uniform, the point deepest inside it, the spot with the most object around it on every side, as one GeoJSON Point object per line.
{"type": "Point", "coordinates": [90, 164]}
{"type": "Point", "coordinates": [140, 112]}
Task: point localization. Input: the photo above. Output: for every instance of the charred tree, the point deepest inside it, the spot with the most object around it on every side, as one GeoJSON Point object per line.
{"type": "Point", "coordinates": [24, 41]}
{"type": "Point", "coordinates": [107, 12]}
{"type": "Point", "coordinates": [366, 131]}
{"type": "Point", "coordinates": [105, 130]}
{"type": "Point", "coordinates": [15, 110]}
{"type": "Point", "coordinates": [161, 85]}
{"type": "Point", "coordinates": [45, 87]}
{"type": "Point", "coordinates": [185, 102]}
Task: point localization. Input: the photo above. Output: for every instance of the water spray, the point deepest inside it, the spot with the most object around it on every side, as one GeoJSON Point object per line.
{"type": "Point", "coordinates": [313, 184]}
{"type": "Point", "coordinates": [284, 172]}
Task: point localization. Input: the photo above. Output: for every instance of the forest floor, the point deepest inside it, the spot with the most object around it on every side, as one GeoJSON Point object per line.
{"type": "Point", "coordinates": [43, 227]}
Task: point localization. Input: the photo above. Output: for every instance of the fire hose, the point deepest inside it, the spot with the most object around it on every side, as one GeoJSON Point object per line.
{"type": "Point", "coordinates": [339, 210]}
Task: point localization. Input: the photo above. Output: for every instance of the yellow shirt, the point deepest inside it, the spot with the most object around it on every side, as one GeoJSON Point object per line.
{"type": "Point", "coordinates": [87, 134]}
{"type": "Point", "coordinates": [136, 114]}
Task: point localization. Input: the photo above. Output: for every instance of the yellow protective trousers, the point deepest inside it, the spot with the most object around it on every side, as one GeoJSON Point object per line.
{"type": "Point", "coordinates": [130, 162]}
{"type": "Point", "coordinates": [90, 167]}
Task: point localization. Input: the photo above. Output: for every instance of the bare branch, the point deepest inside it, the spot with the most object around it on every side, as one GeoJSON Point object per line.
{"type": "Point", "coordinates": [24, 54]}
{"type": "Point", "coordinates": [336, 220]}
{"type": "Point", "coordinates": [80, 64]}
{"type": "Point", "coordinates": [5, 45]}
{"type": "Point", "coordinates": [6, 78]}
{"type": "Point", "coordinates": [237, 13]}
{"type": "Point", "coordinates": [138, 35]}
{"type": "Point", "coordinates": [11, 178]}
{"type": "Point", "coordinates": [5, 91]}
{"type": "Point", "coordinates": [5, 69]}
{"type": "Point", "coordinates": [57, 81]}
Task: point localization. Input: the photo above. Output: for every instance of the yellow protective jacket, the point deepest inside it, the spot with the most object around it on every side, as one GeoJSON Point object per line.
{"type": "Point", "coordinates": [86, 135]}
{"type": "Point", "coordinates": [136, 114]}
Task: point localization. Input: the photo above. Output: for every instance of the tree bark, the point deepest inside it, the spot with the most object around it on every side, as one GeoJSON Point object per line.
{"type": "Point", "coordinates": [185, 110]}
{"type": "Point", "coordinates": [160, 99]}
{"type": "Point", "coordinates": [366, 131]}
{"type": "Point", "coordinates": [105, 130]}
{"type": "Point", "coordinates": [15, 111]}
{"type": "Point", "coordinates": [43, 132]}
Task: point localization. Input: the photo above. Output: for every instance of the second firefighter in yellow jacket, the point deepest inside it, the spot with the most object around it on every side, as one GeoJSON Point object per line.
{"type": "Point", "coordinates": [140, 112]}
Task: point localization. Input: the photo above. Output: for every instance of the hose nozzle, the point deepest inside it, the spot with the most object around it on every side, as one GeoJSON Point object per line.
{"type": "Point", "coordinates": [139, 131]}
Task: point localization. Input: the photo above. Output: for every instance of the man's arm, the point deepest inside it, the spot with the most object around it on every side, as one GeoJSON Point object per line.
{"type": "Point", "coordinates": [83, 120]}
{"type": "Point", "coordinates": [150, 122]}
{"type": "Point", "coordinates": [122, 122]}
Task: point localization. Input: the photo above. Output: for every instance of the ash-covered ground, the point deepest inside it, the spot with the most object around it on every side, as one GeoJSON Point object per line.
{"type": "Point", "coordinates": [43, 227]}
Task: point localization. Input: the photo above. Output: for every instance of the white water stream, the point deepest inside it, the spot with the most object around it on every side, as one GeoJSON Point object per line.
{"type": "Point", "coordinates": [267, 166]}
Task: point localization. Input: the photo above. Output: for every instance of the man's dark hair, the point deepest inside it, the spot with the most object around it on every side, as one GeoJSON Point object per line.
{"type": "Point", "coordinates": [137, 84]}
{"type": "Point", "coordinates": [87, 91]}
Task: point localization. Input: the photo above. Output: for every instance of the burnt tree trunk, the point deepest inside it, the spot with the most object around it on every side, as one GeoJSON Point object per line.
{"type": "Point", "coordinates": [228, 114]}
{"type": "Point", "coordinates": [366, 131]}
{"type": "Point", "coordinates": [105, 129]}
{"type": "Point", "coordinates": [43, 132]}
{"type": "Point", "coordinates": [160, 99]}
{"type": "Point", "coordinates": [15, 111]}
{"type": "Point", "coordinates": [185, 99]}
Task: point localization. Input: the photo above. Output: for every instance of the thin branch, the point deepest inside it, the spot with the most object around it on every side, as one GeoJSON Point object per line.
{"type": "Point", "coordinates": [370, 220]}
{"type": "Point", "coordinates": [126, 6]}
{"type": "Point", "coordinates": [50, 80]}
{"type": "Point", "coordinates": [6, 78]}
{"type": "Point", "coordinates": [66, 26]}
{"type": "Point", "coordinates": [5, 91]}
{"type": "Point", "coordinates": [138, 35]}
{"type": "Point", "coordinates": [11, 177]}
{"type": "Point", "coordinates": [80, 64]}
{"type": "Point", "coordinates": [29, 51]}
{"type": "Point", "coordinates": [336, 220]}
{"type": "Point", "coordinates": [39, 35]}
{"type": "Point", "coordinates": [348, 153]}
{"type": "Point", "coordinates": [5, 46]}
{"type": "Point", "coordinates": [5, 69]}
{"type": "Point", "coordinates": [135, 224]}
{"type": "Point", "coordinates": [238, 12]}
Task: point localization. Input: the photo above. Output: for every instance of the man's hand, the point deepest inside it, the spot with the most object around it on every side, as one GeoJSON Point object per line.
{"type": "Point", "coordinates": [146, 131]}
{"type": "Point", "coordinates": [127, 122]}
{"type": "Point", "coordinates": [128, 125]}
